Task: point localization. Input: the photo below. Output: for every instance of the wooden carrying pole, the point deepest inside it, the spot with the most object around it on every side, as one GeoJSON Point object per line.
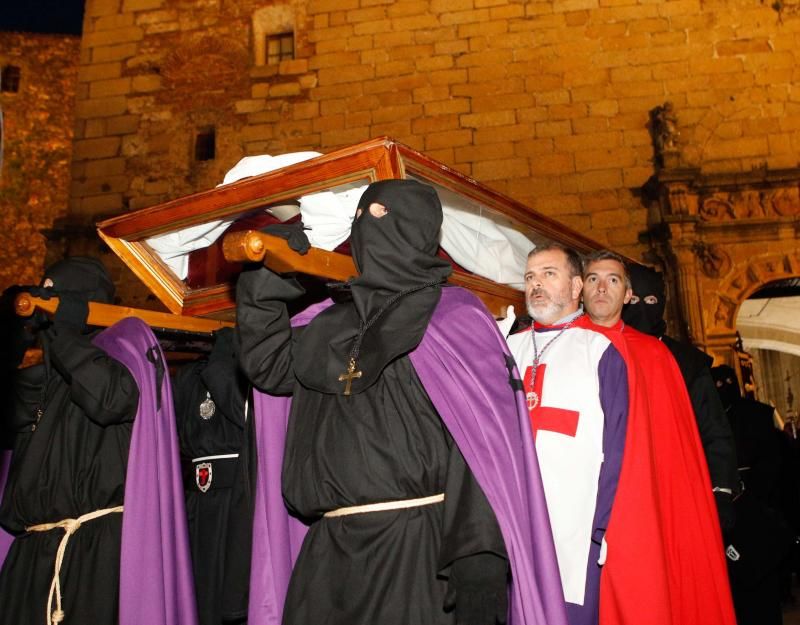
{"type": "Point", "coordinates": [252, 246]}
{"type": "Point", "coordinates": [105, 315]}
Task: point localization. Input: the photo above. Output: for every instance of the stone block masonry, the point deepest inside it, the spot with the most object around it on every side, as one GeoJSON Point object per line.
{"type": "Point", "coordinates": [547, 101]}
{"type": "Point", "coordinates": [37, 136]}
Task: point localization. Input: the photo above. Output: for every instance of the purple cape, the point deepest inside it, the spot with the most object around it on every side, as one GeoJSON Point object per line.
{"type": "Point", "coordinates": [155, 585]}
{"type": "Point", "coordinates": [488, 421]}
{"type": "Point", "coordinates": [5, 538]}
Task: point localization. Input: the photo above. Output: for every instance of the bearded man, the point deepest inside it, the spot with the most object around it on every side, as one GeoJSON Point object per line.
{"type": "Point", "coordinates": [577, 398]}
{"type": "Point", "coordinates": [403, 453]}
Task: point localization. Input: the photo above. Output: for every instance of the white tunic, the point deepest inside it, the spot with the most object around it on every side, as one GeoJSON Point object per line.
{"type": "Point", "coordinates": [570, 465]}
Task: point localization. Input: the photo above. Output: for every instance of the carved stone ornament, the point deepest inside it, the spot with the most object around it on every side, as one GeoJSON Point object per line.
{"type": "Point", "coordinates": [717, 208]}
{"type": "Point", "coordinates": [730, 233]}
{"type": "Point", "coordinates": [723, 316]}
{"type": "Point", "coordinates": [786, 201]}
{"type": "Point", "coordinates": [665, 128]}
{"type": "Point", "coordinates": [678, 200]}
{"type": "Point", "coordinates": [713, 261]}
{"type": "Point", "coordinates": [774, 268]}
{"type": "Point", "coordinates": [750, 204]}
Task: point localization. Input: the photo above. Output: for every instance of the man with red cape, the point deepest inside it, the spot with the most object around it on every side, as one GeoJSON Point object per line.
{"type": "Point", "coordinates": [665, 562]}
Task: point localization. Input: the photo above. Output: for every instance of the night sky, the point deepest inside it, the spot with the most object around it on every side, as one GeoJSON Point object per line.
{"type": "Point", "coordinates": [42, 16]}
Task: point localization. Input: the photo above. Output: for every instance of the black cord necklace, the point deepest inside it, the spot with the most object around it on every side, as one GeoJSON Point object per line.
{"type": "Point", "coordinates": [351, 373]}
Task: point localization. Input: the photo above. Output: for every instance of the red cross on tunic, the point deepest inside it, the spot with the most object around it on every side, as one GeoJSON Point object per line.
{"type": "Point", "coordinates": [547, 418]}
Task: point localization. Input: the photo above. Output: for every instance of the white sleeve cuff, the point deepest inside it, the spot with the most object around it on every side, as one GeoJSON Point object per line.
{"type": "Point", "coordinates": [603, 552]}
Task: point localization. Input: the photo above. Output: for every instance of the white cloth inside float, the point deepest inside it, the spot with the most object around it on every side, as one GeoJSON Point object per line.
{"type": "Point", "coordinates": [479, 240]}
{"type": "Point", "coordinates": [483, 241]}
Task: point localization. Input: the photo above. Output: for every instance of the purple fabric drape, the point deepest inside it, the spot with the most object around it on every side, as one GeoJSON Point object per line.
{"type": "Point", "coordinates": [277, 537]}
{"type": "Point", "coordinates": [460, 362]}
{"type": "Point", "coordinates": [5, 538]}
{"type": "Point", "coordinates": [156, 585]}
{"type": "Point", "coordinates": [488, 421]}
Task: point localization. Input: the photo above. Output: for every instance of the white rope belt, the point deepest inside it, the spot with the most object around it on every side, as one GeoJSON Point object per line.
{"type": "Point", "coordinates": [70, 526]}
{"type": "Point", "coordinates": [385, 505]}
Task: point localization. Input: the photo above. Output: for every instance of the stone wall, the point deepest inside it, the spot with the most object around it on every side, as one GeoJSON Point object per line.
{"type": "Point", "coordinates": [546, 100]}
{"type": "Point", "coordinates": [156, 72]}
{"type": "Point", "coordinates": [38, 125]}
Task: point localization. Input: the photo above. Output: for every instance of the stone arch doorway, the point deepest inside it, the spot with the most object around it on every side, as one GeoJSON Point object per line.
{"type": "Point", "coordinates": [742, 282]}
{"type": "Point", "coordinates": [721, 237]}
{"type": "Point", "coordinates": [769, 325]}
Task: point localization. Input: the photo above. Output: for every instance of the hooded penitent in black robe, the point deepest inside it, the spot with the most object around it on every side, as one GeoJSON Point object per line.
{"type": "Point", "coordinates": [69, 459]}
{"type": "Point", "coordinates": [761, 542]}
{"type": "Point", "coordinates": [209, 398]}
{"type": "Point", "coordinates": [383, 442]}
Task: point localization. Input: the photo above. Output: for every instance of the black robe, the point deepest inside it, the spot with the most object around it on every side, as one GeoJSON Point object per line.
{"type": "Point", "coordinates": [209, 512]}
{"type": "Point", "coordinates": [238, 547]}
{"type": "Point", "coordinates": [384, 443]}
{"type": "Point", "coordinates": [762, 538]}
{"type": "Point", "coordinates": [67, 463]}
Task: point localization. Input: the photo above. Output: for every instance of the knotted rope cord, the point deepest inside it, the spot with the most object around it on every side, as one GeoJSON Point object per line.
{"type": "Point", "coordinates": [70, 526]}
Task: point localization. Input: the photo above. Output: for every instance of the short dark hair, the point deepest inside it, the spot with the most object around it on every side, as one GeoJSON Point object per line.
{"type": "Point", "coordinates": [573, 258]}
{"type": "Point", "coordinates": [599, 255]}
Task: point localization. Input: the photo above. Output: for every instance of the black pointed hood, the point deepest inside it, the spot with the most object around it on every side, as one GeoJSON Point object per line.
{"type": "Point", "coordinates": [394, 253]}
{"type": "Point", "coordinates": [82, 274]}
{"type": "Point", "coordinates": [727, 385]}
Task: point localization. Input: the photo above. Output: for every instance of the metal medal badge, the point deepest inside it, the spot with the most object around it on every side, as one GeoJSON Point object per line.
{"type": "Point", "coordinates": [207, 407]}
{"type": "Point", "coordinates": [203, 476]}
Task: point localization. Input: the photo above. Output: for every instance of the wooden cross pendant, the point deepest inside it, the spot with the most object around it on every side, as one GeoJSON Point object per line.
{"type": "Point", "coordinates": [349, 376]}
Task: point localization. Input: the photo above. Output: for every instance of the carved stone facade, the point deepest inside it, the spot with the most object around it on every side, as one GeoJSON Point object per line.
{"type": "Point", "coordinates": [569, 107]}
{"type": "Point", "coordinates": [723, 237]}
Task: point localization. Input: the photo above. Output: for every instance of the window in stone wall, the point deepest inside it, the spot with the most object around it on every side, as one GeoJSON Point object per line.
{"type": "Point", "coordinates": [205, 144]}
{"type": "Point", "coordinates": [273, 34]}
{"type": "Point", "coordinates": [9, 80]}
{"type": "Point", "coordinates": [279, 48]}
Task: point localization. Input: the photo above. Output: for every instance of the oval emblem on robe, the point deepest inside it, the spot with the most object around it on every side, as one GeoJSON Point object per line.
{"type": "Point", "coordinates": [203, 476]}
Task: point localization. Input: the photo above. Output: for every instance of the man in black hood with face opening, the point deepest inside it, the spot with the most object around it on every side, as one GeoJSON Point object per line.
{"type": "Point", "coordinates": [363, 429]}
{"type": "Point", "coordinates": [71, 420]}
{"type": "Point", "coordinates": [645, 312]}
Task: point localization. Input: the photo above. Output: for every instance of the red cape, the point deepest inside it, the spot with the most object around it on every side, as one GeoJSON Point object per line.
{"type": "Point", "coordinates": [666, 564]}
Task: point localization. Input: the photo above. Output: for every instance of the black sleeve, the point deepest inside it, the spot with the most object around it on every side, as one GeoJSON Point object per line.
{"type": "Point", "coordinates": [264, 331]}
{"type": "Point", "coordinates": [102, 387]}
{"type": "Point", "coordinates": [185, 383]}
{"type": "Point", "coordinates": [715, 432]}
{"type": "Point", "coordinates": [23, 397]}
{"type": "Point", "coordinates": [239, 538]}
{"type": "Point", "coordinates": [469, 524]}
